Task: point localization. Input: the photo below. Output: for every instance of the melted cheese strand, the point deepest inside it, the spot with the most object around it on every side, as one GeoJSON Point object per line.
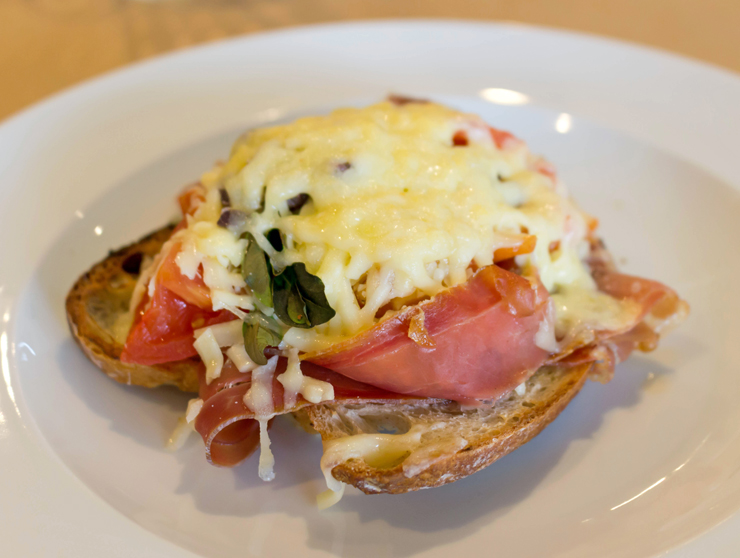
{"type": "Point", "coordinates": [295, 383]}
{"type": "Point", "coordinates": [259, 400]}
{"type": "Point", "coordinates": [185, 426]}
{"type": "Point", "coordinates": [375, 449]}
{"type": "Point", "coordinates": [238, 355]}
{"type": "Point", "coordinates": [210, 353]}
{"type": "Point", "coordinates": [226, 333]}
{"type": "Point", "coordinates": [266, 466]}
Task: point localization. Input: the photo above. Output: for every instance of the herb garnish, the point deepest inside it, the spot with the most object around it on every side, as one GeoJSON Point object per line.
{"type": "Point", "coordinates": [297, 296]}
{"type": "Point", "coordinates": [260, 332]}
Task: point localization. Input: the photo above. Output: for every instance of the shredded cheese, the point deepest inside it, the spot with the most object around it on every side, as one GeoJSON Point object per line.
{"type": "Point", "coordinates": [295, 383]}
{"type": "Point", "coordinates": [194, 408]}
{"type": "Point", "coordinates": [238, 355]}
{"type": "Point", "coordinates": [395, 212]}
{"type": "Point", "coordinates": [185, 426]}
{"type": "Point", "coordinates": [179, 435]}
{"type": "Point", "coordinates": [226, 334]}
{"type": "Point", "coordinates": [210, 353]}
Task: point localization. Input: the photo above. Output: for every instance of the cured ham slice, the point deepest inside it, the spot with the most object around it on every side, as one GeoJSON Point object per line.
{"type": "Point", "coordinates": [227, 425]}
{"type": "Point", "coordinates": [660, 310]}
{"type": "Point", "coordinates": [231, 434]}
{"type": "Point", "coordinates": [475, 341]}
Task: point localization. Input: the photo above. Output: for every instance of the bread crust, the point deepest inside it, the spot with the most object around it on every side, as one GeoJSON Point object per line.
{"type": "Point", "coordinates": [562, 385]}
{"type": "Point", "coordinates": [100, 297]}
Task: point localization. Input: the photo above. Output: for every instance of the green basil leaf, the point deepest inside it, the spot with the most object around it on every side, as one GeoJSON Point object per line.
{"type": "Point", "coordinates": [312, 291]}
{"type": "Point", "coordinates": [257, 272]}
{"type": "Point", "coordinates": [288, 303]}
{"type": "Point", "coordinates": [297, 308]}
{"type": "Point", "coordinates": [318, 314]}
{"type": "Point", "coordinates": [257, 338]}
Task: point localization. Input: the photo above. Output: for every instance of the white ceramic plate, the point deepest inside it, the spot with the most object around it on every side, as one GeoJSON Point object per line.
{"type": "Point", "coordinates": [647, 141]}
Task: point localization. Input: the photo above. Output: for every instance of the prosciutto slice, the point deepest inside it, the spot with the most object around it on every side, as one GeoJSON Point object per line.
{"type": "Point", "coordinates": [475, 341]}
{"type": "Point", "coordinates": [660, 310]}
{"type": "Point", "coordinates": [471, 342]}
{"type": "Point", "coordinates": [227, 425]}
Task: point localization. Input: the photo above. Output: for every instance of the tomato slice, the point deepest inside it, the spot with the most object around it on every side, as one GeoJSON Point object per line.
{"type": "Point", "coordinates": [475, 341]}
{"type": "Point", "coordinates": [164, 331]}
{"type": "Point", "coordinates": [193, 291]}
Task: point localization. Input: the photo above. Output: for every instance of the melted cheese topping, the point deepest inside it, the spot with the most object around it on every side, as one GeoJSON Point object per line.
{"type": "Point", "coordinates": [575, 306]}
{"type": "Point", "coordinates": [377, 450]}
{"type": "Point", "coordinates": [185, 426]}
{"type": "Point", "coordinates": [396, 211]}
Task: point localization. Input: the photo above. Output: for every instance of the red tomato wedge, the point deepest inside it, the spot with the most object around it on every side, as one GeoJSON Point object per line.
{"type": "Point", "coordinates": [163, 328]}
{"type": "Point", "coordinates": [193, 291]}
{"type": "Point", "coordinates": [164, 332]}
{"type": "Point", "coordinates": [475, 341]}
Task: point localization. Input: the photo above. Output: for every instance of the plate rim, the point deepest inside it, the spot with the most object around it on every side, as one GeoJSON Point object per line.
{"type": "Point", "coordinates": [27, 114]}
{"type": "Point", "coordinates": [165, 57]}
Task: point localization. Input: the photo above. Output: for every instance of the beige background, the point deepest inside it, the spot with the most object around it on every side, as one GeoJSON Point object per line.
{"type": "Point", "coordinates": [46, 45]}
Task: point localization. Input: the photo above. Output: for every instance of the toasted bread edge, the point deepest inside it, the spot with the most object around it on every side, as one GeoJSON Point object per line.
{"type": "Point", "coordinates": [99, 297]}
{"type": "Point", "coordinates": [457, 465]}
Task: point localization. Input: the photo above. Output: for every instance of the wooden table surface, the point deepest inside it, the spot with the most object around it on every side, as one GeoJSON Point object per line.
{"type": "Point", "coordinates": [47, 45]}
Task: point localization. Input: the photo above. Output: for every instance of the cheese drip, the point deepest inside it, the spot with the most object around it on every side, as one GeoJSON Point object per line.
{"type": "Point", "coordinates": [383, 451]}
{"type": "Point", "coordinates": [259, 400]}
{"type": "Point", "coordinates": [393, 211]}
{"type": "Point", "coordinates": [295, 383]}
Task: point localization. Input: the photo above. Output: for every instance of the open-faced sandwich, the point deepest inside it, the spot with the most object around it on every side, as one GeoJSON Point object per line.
{"type": "Point", "coordinates": [413, 284]}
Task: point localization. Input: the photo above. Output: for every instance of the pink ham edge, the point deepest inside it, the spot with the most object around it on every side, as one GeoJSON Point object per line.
{"type": "Point", "coordinates": [660, 306]}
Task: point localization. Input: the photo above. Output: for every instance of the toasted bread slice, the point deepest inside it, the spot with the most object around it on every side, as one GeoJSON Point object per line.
{"type": "Point", "coordinates": [447, 443]}
{"type": "Point", "coordinates": [99, 301]}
